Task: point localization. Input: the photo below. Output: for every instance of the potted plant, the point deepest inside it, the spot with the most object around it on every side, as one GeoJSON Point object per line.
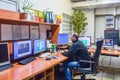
{"type": "Point", "coordinates": [42, 15]}
{"type": "Point", "coordinates": [79, 21]}
{"type": "Point", "coordinates": [26, 6]}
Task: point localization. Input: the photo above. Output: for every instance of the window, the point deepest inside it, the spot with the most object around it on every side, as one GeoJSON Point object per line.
{"type": "Point", "coordinates": [12, 3]}
{"type": "Point", "coordinates": [66, 24]}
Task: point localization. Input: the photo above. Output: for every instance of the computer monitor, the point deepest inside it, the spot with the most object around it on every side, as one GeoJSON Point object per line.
{"type": "Point", "coordinates": [22, 49]}
{"type": "Point", "coordinates": [63, 39]}
{"type": "Point", "coordinates": [86, 40]}
{"type": "Point", "coordinates": [39, 46]}
{"type": "Point", "coordinates": [108, 43]}
{"type": "Point", "coordinates": [4, 54]}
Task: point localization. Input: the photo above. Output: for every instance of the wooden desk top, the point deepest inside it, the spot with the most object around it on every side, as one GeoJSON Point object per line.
{"type": "Point", "coordinates": [106, 52]}
{"type": "Point", "coordinates": [21, 72]}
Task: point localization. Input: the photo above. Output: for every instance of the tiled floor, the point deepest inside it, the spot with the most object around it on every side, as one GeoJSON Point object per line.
{"type": "Point", "coordinates": [104, 73]}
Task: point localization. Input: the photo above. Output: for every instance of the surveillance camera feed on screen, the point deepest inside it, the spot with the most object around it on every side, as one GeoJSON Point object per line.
{"type": "Point", "coordinates": [39, 46]}
{"type": "Point", "coordinates": [63, 39]}
{"type": "Point", "coordinates": [108, 42]}
{"type": "Point", "coordinates": [22, 49]}
{"type": "Point", "coordinates": [85, 40]}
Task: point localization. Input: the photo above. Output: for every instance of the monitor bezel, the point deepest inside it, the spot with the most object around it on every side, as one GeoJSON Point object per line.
{"type": "Point", "coordinates": [88, 37]}
{"type": "Point", "coordinates": [34, 54]}
{"type": "Point", "coordinates": [23, 57]}
{"type": "Point", "coordinates": [68, 39]}
{"type": "Point", "coordinates": [6, 62]}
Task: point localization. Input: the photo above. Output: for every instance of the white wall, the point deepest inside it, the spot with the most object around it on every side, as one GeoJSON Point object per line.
{"type": "Point", "coordinates": [99, 27]}
{"type": "Point", "coordinates": [57, 6]}
{"type": "Point", "coordinates": [105, 11]}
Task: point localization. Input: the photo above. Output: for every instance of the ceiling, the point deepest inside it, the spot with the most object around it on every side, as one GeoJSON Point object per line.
{"type": "Point", "coordinates": [79, 0]}
{"type": "Point", "coordinates": [93, 4]}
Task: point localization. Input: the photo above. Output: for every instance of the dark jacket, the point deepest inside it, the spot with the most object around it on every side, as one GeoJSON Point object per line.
{"type": "Point", "coordinates": [77, 52]}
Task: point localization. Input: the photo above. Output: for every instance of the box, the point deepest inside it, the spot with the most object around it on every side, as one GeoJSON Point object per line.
{"type": "Point", "coordinates": [6, 14]}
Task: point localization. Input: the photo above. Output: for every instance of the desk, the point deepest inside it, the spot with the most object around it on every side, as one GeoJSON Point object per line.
{"type": "Point", "coordinates": [29, 71]}
{"type": "Point", "coordinates": [111, 60]}
{"type": "Point", "coordinates": [106, 52]}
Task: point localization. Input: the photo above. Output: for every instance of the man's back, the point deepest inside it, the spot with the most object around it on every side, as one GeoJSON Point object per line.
{"type": "Point", "coordinates": [77, 51]}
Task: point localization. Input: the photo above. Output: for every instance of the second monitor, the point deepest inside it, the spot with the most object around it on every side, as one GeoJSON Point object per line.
{"type": "Point", "coordinates": [22, 49]}
{"type": "Point", "coordinates": [86, 40]}
{"type": "Point", "coordinates": [39, 46]}
{"type": "Point", "coordinates": [108, 43]}
{"type": "Point", "coordinates": [63, 39]}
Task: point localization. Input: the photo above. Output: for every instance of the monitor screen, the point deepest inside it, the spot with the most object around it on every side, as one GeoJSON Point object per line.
{"type": "Point", "coordinates": [86, 40]}
{"type": "Point", "coordinates": [39, 46]}
{"type": "Point", "coordinates": [63, 39]}
{"type": "Point", "coordinates": [4, 54]}
{"type": "Point", "coordinates": [108, 42]}
{"type": "Point", "coordinates": [22, 49]}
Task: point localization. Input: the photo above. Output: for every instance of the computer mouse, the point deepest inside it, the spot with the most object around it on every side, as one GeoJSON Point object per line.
{"type": "Point", "coordinates": [48, 58]}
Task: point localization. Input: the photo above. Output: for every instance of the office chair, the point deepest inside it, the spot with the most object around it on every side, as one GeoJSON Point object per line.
{"type": "Point", "coordinates": [92, 63]}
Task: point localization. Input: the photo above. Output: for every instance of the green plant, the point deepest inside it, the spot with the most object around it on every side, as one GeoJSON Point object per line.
{"type": "Point", "coordinates": [43, 13]}
{"type": "Point", "coordinates": [26, 5]}
{"type": "Point", "coordinates": [79, 21]}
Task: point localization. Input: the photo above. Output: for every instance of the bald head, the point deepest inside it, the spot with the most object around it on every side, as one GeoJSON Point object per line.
{"type": "Point", "coordinates": [74, 37]}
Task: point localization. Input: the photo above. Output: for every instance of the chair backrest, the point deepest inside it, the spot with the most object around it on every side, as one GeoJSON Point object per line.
{"type": "Point", "coordinates": [96, 55]}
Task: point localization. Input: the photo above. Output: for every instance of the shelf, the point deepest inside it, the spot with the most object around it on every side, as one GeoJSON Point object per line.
{"type": "Point", "coordinates": [49, 71]}
{"type": "Point", "coordinates": [40, 76]}
{"type": "Point", "coordinates": [51, 77]}
{"type": "Point", "coordinates": [50, 74]}
{"type": "Point", "coordinates": [13, 21]}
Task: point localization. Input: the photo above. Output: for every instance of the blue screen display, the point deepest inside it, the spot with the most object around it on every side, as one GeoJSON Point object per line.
{"type": "Point", "coordinates": [63, 39]}
{"type": "Point", "coordinates": [108, 42]}
{"type": "Point", "coordinates": [39, 45]}
{"type": "Point", "coordinates": [22, 49]}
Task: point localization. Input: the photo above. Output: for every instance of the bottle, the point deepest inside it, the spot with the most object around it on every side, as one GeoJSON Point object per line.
{"type": "Point", "coordinates": [52, 47]}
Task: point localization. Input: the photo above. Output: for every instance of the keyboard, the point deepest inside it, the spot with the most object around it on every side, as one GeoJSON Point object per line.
{"type": "Point", "coordinates": [51, 57]}
{"type": "Point", "coordinates": [27, 60]}
{"type": "Point", "coordinates": [4, 67]}
{"type": "Point", "coordinates": [44, 54]}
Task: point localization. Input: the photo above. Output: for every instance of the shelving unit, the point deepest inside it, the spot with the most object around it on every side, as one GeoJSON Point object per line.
{"type": "Point", "coordinates": [46, 75]}
{"type": "Point", "coordinates": [7, 19]}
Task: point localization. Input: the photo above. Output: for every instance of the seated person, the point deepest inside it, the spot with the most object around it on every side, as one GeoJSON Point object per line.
{"type": "Point", "coordinates": [74, 56]}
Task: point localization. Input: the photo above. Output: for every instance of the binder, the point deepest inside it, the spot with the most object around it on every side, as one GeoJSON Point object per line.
{"type": "Point", "coordinates": [48, 17]}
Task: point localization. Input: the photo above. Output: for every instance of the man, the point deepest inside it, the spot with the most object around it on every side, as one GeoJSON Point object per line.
{"type": "Point", "coordinates": [72, 53]}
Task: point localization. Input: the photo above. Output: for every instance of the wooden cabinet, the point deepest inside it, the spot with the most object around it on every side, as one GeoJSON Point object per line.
{"type": "Point", "coordinates": [46, 75]}
{"type": "Point", "coordinates": [17, 26]}
{"type": "Point", "coordinates": [12, 29]}
{"type": "Point", "coordinates": [39, 69]}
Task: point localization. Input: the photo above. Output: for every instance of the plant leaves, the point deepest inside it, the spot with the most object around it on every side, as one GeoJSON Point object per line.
{"type": "Point", "coordinates": [79, 21]}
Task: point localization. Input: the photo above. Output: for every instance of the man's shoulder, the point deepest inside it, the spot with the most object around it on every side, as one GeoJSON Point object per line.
{"type": "Point", "coordinates": [77, 42]}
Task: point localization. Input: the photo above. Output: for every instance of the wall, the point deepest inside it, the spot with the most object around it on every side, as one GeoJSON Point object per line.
{"type": "Point", "coordinates": [57, 6]}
